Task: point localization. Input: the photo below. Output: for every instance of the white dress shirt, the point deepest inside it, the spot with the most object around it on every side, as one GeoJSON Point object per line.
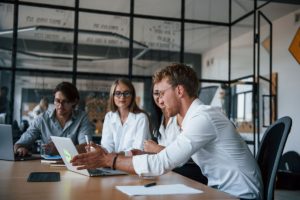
{"type": "Point", "coordinates": [169, 133]}
{"type": "Point", "coordinates": [131, 135]}
{"type": "Point", "coordinates": [215, 146]}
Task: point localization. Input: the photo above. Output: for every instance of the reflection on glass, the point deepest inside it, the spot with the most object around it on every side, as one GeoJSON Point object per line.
{"type": "Point", "coordinates": [215, 94]}
{"type": "Point", "coordinates": [30, 89]}
{"type": "Point", "coordinates": [94, 95]}
{"type": "Point", "coordinates": [54, 2]}
{"type": "Point", "coordinates": [104, 44]}
{"type": "Point", "coordinates": [6, 25]}
{"type": "Point", "coordinates": [164, 8]}
{"type": "Point", "coordinates": [240, 8]}
{"type": "Point", "coordinates": [207, 10]}
{"type": "Point", "coordinates": [45, 38]}
{"type": "Point", "coordinates": [162, 45]}
{"type": "Point", "coordinates": [242, 49]}
{"type": "Point", "coordinates": [240, 107]}
{"type": "Point", "coordinates": [5, 94]}
{"type": "Point", "coordinates": [107, 5]}
{"type": "Point", "coordinates": [210, 43]}
{"type": "Point", "coordinates": [264, 49]}
{"type": "Point", "coordinates": [242, 95]}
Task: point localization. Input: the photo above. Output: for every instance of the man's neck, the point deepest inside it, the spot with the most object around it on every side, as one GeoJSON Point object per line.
{"type": "Point", "coordinates": [62, 119]}
{"type": "Point", "coordinates": [186, 103]}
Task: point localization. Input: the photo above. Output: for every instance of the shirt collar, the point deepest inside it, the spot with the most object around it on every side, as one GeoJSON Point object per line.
{"type": "Point", "coordinates": [52, 114]}
{"type": "Point", "coordinates": [191, 109]}
{"type": "Point", "coordinates": [116, 117]}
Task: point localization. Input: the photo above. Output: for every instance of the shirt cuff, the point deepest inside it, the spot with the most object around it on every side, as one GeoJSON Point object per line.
{"type": "Point", "coordinates": [140, 165]}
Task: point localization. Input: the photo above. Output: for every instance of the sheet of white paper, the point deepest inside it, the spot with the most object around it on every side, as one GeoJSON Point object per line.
{"type": "Point", "coordinates": [158, 190]}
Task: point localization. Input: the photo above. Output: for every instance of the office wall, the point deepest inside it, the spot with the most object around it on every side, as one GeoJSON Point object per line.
{"type": "Point", "coordinates": [288, 70]}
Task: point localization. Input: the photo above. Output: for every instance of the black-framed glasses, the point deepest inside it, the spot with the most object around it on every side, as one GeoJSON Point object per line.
{"type": "Point", "coordinates": [61, 102]}
{"type": "Point", "coordinates": [160, 93]}
{"type": "Point", "coordinates": [125, 94]}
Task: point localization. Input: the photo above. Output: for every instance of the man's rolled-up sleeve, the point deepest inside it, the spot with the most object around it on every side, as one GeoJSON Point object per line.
{"type": "Point", "coordinates": [157, 164]}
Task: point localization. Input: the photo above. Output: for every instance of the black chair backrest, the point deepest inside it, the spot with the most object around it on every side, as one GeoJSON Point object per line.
{"type": "Point", "coordinates": [290, 161]}
{"type": "Point", "coordinates": [270, 152]}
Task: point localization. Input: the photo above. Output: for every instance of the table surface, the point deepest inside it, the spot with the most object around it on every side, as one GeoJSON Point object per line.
{"type": "Point", "coordinates": [14, 185]}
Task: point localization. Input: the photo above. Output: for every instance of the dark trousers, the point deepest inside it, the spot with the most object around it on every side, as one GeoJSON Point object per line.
{"type": "Point", "coordinates": [192, 171]}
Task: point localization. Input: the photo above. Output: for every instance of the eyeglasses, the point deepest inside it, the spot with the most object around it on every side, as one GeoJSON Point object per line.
{"type": "Point", "coordinates": [61, 102]}
{"type": "Point", "coordinates": [125, 94]}
{"type": "Point", "coordinates": [160, 93]}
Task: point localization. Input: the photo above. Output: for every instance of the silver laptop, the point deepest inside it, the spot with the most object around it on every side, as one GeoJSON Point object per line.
{"type": "Point", "coordinates": [7, 146]}
{"type": "Point", "coordinates": [67, 151]}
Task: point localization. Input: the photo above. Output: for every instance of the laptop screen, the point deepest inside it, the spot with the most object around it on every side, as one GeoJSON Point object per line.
{"type": "Point", "coordinates": [67, 151]}
{"type": "Point", "coordinates": [6, 142]}
{"type": "Point", "coordinates": [7, 145]}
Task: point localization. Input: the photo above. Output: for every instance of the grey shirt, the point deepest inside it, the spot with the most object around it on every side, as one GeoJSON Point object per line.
{"type": "Point", "coordinates": [46, 125]}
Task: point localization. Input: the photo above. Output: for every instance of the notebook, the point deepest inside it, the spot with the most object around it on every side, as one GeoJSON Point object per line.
{"type": "Point", "coordinates": [67, 151]}
{"type": "Point", "coordinates": [7, 146]}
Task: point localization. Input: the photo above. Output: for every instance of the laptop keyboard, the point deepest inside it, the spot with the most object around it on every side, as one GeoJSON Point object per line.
{"type": "Point", "coordinates": [27, 157]}
{"type": "Point", "coordinates": [97, 172]}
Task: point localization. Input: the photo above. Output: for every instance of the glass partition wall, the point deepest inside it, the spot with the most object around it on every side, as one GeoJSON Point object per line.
{"type": "Point", "coordinates": [91, 43]}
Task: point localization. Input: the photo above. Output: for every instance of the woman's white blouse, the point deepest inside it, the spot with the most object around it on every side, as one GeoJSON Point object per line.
{"type": "Point", "coordinates": [131, 135]}
{"type": "Point", "coordinates": [169, 133]}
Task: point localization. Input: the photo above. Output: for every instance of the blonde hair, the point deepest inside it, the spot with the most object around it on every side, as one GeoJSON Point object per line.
{"type": "Point", "coordinates": [179, 74]}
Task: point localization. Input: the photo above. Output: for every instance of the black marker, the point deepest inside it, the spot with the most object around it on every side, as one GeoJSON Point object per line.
{"type": "Point", "coordinates": [150, 184]}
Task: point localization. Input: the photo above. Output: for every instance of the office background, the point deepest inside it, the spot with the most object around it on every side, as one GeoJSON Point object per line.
{"type": "Point", "coordinates": [91, 43]}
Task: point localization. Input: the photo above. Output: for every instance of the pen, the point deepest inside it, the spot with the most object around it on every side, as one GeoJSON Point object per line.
{"type": "Point", "coordinates": [87, 139]}
{"type": "Point", "coordinates": [150, 184]}
{"type": "Point", "coordinates": [88, 143]}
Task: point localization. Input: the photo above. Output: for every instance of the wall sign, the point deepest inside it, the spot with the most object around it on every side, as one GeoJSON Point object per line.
{"type": "Point", "coordinates": [295, 46]}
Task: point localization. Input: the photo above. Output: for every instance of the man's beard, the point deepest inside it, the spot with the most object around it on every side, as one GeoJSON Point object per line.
{"type": "Point", "coordinates": [170, 113]}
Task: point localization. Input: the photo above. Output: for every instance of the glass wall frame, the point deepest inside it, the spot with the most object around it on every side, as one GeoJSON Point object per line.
{"type": "Point", "coordinates": [137, 60]}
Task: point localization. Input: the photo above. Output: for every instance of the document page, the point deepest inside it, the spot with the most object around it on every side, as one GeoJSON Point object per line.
{"type": "Point", "coordinates": [158, 190]}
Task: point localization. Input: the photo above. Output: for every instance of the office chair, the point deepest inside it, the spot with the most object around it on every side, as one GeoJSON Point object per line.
{"type": "Point", "coordinates": [288, 175]}
{"type": "Point", "coordinates": [270, 152]}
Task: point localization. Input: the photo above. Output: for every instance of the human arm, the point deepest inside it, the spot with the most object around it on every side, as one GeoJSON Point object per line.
{"type": "Point", "coordinates": [197, 133]}
{"type": "Point", "coordinates": [20, 150]}
{"type": "Point", "coordinates": [186, 144]}
{"type": "Point", "coordinates": [100, 158]}
{"type": "Point", "coordinates": [131, 164]}
{"type": "Point", "coordinates": [84, 128]}
{"type": "Point", "coordinates": [152, 147]}
{"type": "Point", "coordinates": [141, 131]}
{"type": "Point", "coordinates": [27, 139]}
{"type": "Point", "coordinates": [107, 139]}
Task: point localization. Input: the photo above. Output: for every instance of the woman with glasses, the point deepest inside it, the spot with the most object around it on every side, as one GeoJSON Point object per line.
{"type": "Point", "coordinates": [64, 121]}
{"type": "Point", "coordinates": [126, 126]}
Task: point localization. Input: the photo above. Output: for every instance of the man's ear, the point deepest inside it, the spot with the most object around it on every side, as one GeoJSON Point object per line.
{"type": "Point", "coordinates": [180, 90]}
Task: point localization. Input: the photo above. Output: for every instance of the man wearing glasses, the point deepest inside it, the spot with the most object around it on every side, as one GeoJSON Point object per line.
{"type": "Point", "coordinates": [207, 136]}
{"type": "Point", "coordinates": [63, 121]}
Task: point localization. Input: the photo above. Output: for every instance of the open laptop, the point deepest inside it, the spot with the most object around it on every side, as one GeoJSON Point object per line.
{"type": "Point", "coordinates": [67, 151]}
{"type": "Point", "coordinates": [7, 145]}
